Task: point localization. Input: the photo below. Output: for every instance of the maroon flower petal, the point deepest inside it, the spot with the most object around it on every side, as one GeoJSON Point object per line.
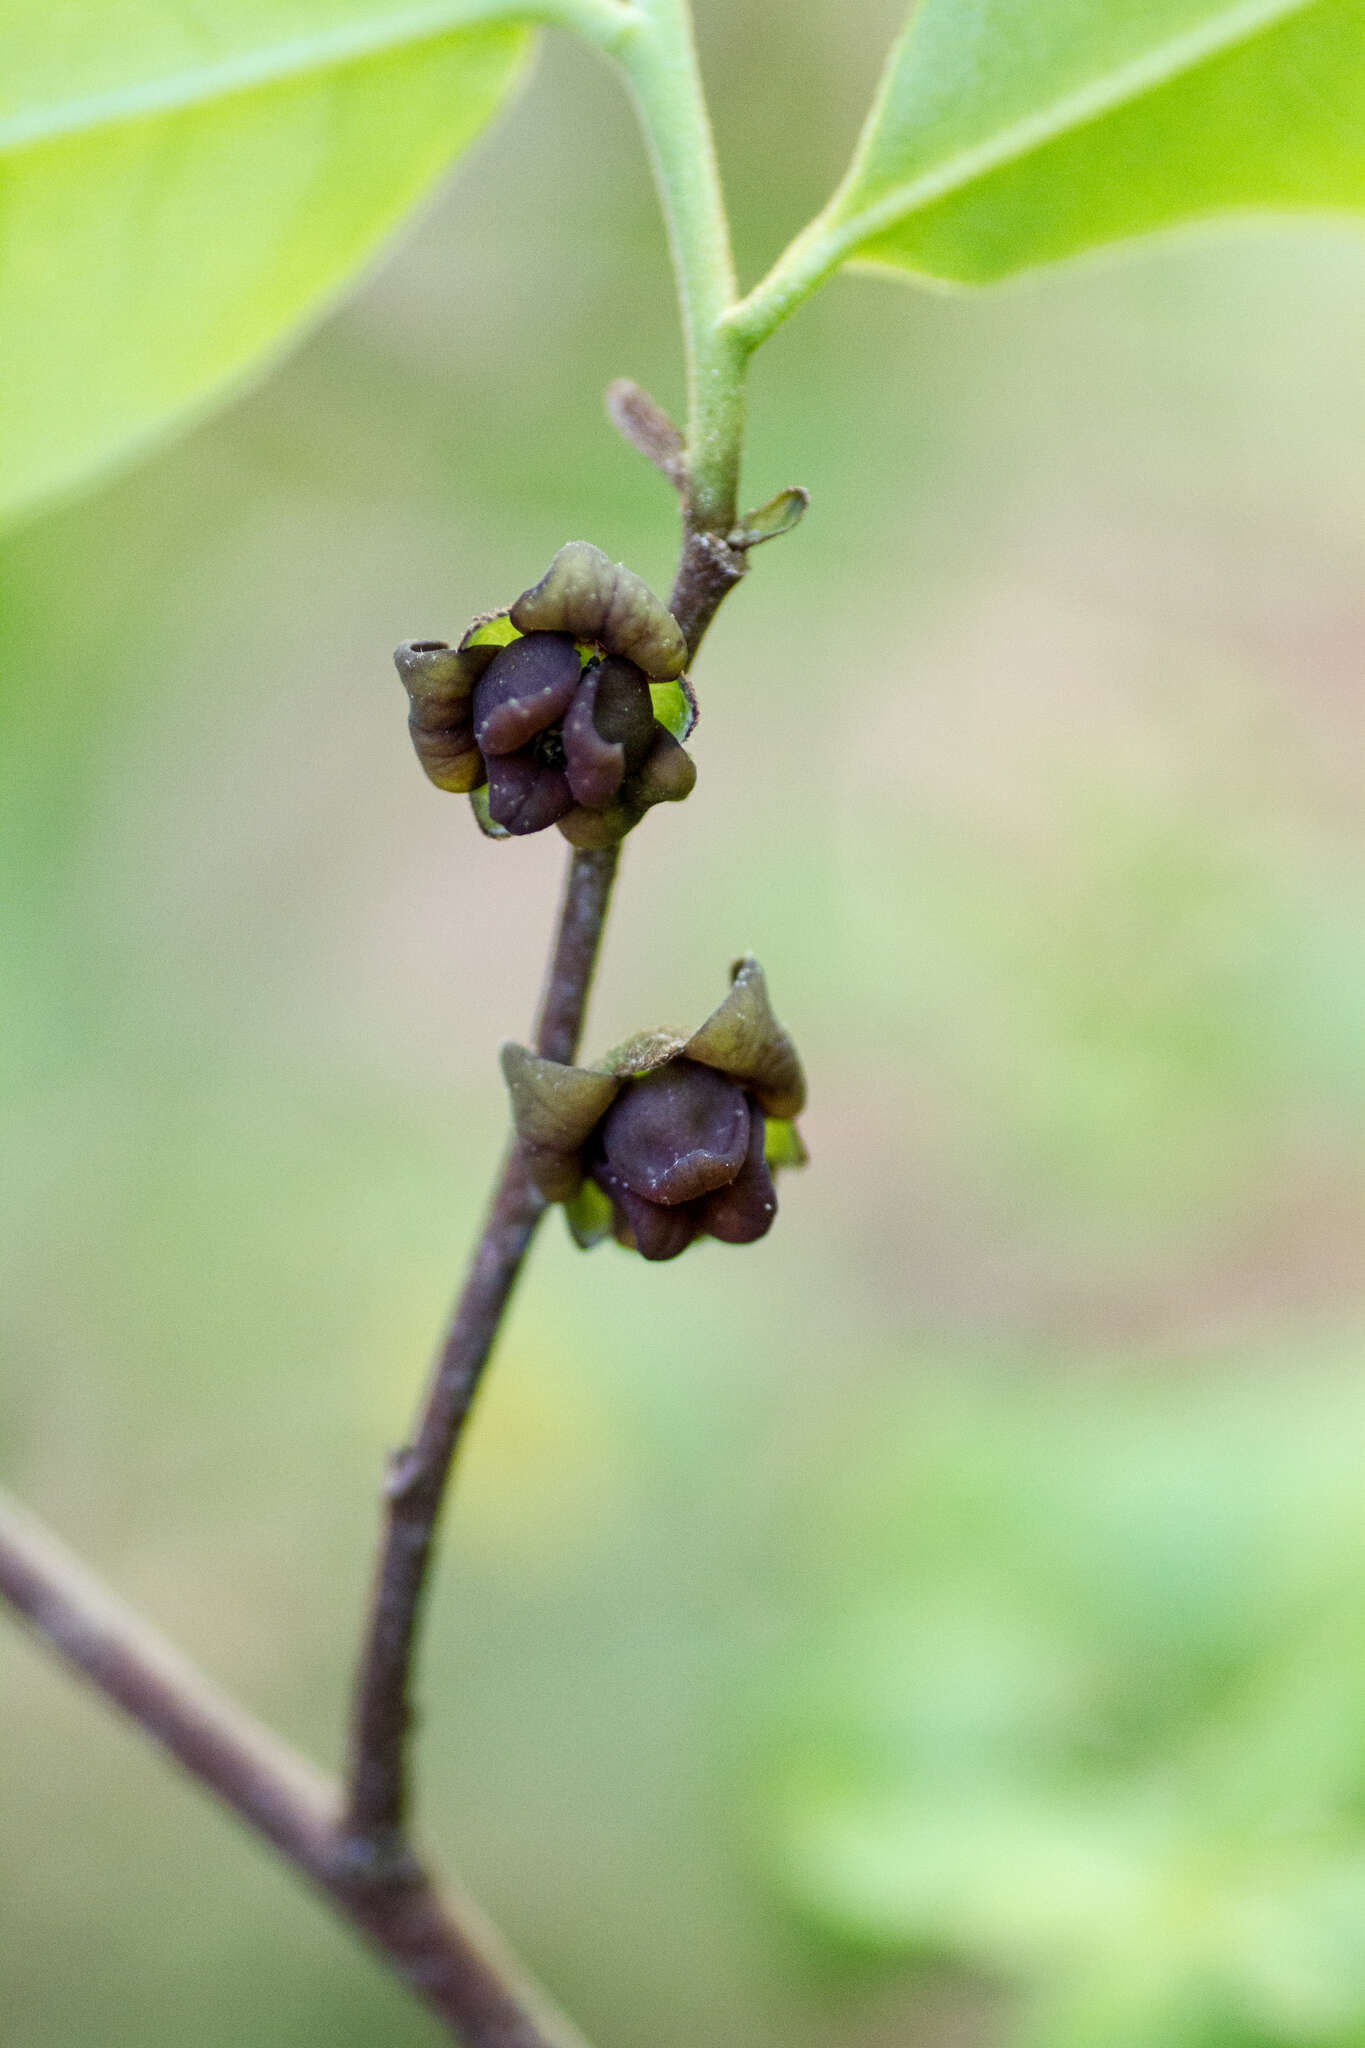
{"type": "Point", "coordinates": [525, 797]}
{"type": "Point", "coordinates": [659, 1233]}
{"type": "Point", "coordinates": [596, 767]}
{"type": "Point", "coordinates": [677, 1133]}
{"type": "Point", "coordinates": [743, 1212]}
{"type": "Point", "coordinates": [608, 731]}
{"type": "Point", "coordinates": [624, 712]}
{"type": "Point", "coordinates": [666, 775]}
{"type": "Point", "coordinates": [527, 687]}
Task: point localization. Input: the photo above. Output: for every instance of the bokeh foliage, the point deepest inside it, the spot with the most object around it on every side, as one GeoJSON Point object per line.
{"type": "Point", "coordinates": [1019, 1460]}
{"type": "Point", "coordinates": [184, 187]}
{"type": "Point", "coordinates": [1082, 1705]}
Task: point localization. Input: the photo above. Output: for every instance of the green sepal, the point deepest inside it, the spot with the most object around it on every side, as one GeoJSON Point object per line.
{"type": "Point", "coordinates": [601, 601]}
{"type": "Point", "coordinates": [742, 1038]}
{"type": "Point", "coordinates": [478, 804]}
{"type": "Point", "coordinates": [641, 1054]}
{"type": "Point", "coordinates": [554, 1104]}
{"type": "Point", "coordinates": [588, 1215]}
{"type": "Point", "coordinates": [675, 706]}
{"type": "Point", "coordinates": [494, 629]}
{"type": "Point", "coordinates": [782, 1143]}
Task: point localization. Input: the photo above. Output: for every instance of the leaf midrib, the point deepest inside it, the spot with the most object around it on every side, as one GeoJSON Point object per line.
{"type": "Point", "coordinates": [249, 71]}
{"type": "Point", "coordinates": [1158, 67]}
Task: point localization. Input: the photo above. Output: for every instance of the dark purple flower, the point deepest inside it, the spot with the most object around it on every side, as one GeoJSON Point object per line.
{"type": "Point", "coordinates": [671, 1138]}
{"type": "Point", "coordinates": [680, 1154]}
{"type": "Point", "coordinates": [549, 704]}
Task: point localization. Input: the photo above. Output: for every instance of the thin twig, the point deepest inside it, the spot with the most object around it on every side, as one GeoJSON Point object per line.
{"type": "Point", "coordinates": [436, 1941]}
{"type": "Point", "coordinates": [353, 1846]}
{"type": "Point", "coordinates": [380, 1762]}
{"type": "Point", "coordinates": [708, 570]}
{"type": "Point", "coordinates": [379, 1769]}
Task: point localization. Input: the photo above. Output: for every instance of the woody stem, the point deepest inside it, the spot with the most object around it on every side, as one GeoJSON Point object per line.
{"type": "Point", "coordinates": [419, 1474]}
{"type": "Point", "coordinates": [353, 1844]}
{"type": "Point", "coordinates": [379, 1774]}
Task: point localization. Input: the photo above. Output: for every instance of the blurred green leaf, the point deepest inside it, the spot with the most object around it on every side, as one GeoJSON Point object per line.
{"type": "Point", "coordinates": [184, 187]}
{"type": "Point", "coordinates": [1091, 1724]}
{"type": "Point", "coordinates": [1010, 133]}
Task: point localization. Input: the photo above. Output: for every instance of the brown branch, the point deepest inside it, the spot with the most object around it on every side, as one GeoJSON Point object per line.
{"type": "Point", "coordinates": [418, 1475]}
{"type": "Point", "coordinates": [379, 1774]}
{"type": "Point", "coordinates": [436, 1942]}
{"type": "Point", "coordinates": [708, 570]}
{"type": "Point", "coordinates": [353, 1846]}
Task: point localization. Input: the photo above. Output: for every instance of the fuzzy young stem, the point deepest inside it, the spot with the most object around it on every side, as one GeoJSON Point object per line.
{"type": "Point", "coordinates": [435, 1941]}
{"type": "Point", "coordinates": [418, 1475]}
{"type": "Point", "coordinates": [802, 267]}
{"type": "Point", "coordinates": [659, 60]}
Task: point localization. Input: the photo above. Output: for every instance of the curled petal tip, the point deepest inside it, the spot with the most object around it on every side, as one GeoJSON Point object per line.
{"type": "Point", "coordinates": [439, 676]}
{"type": "Point", "coordinates": [601, 601]}
{"type": "Point", "coordinates": [554, 1106]}
{"type": "Point", "coordinates": [743, 1037]}
{"type": "Point", "coordinates": [440, 681]}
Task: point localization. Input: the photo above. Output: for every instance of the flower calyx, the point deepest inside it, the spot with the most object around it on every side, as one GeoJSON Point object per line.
{"type": "Point", "coordinates": [569, 708]}
{"type": "Point", "coordinates": [671, 1137]}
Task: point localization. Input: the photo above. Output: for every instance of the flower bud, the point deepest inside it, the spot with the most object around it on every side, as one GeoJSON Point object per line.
{"type": "Point", "coordinates": [552, 705]}
{"type": "Point", "coordinates": [669, 1138]}
{"type": "Point", "coordinates": [678, 1132]}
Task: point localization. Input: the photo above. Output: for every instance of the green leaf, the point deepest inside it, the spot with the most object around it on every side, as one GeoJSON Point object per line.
{"type": "Point", "coordinates": [769, 522]}
{"type": "Point", "coordinates": [1010, 133]}
{"type": "Point", "coordinates": [1079, 1704]}
{"type": "Point", "coordinates": [184, 186]}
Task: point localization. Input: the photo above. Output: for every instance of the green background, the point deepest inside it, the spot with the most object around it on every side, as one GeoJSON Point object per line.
{"type": "Point", "coordinates": [942, 1622]}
